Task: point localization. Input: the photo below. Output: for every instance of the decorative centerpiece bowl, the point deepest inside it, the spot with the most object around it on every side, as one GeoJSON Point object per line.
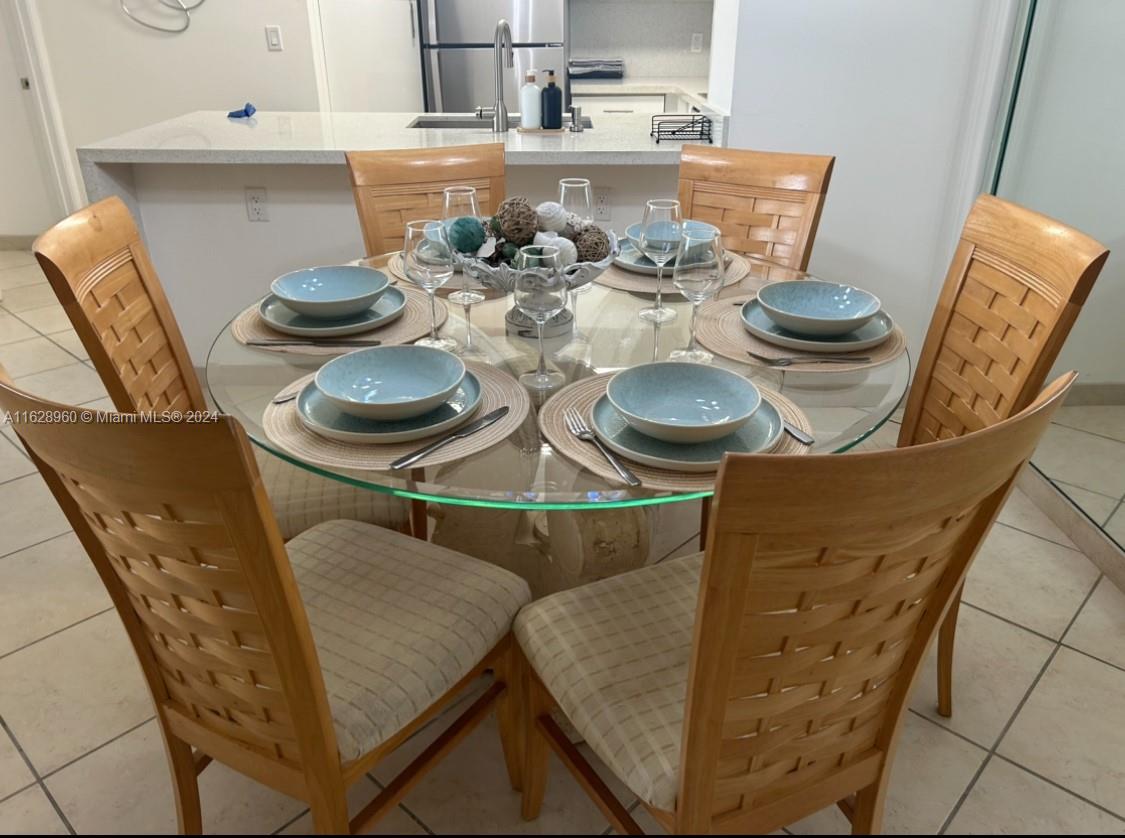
{"type": "Point", "coordinates": [503, 276]}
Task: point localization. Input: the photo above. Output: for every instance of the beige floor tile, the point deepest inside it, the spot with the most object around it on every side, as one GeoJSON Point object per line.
{"type": "Point", "coordinates": [13, 329]}
{"type": "Point", "coordinates": [15, 258]}
{"type": "Point", "coordinates": [104, 404]}
{"type": "Point", "coordinates": [47, 319]}
{"type": "Point", "coordinates": [28, 514]}
{"type": "Point", "coordinates": [33, 355]}
{"type": "Point", "coordinates": [1099, 507]}
{"type": "Point", "coordinates": [994, 665]}
{"type": "Point", "coordinates": [1107, 420]}
{"type": "Point", "coordinates": [1028, 580]}
{"type": "Point", "coordinates": [14, 773]}
{"type": "Point", "coordinates": [14, 277]}
{"type": "Point", "coordinates": [397, 822]}
{"type": "Point", "coordinates": [646, 822]}
{"type": "Point", "coordinates": [27, 611]}
{"type": "Point", "coordinates": [24, 297]}
{"type": "Point", "coordinates": [931, 771]}
{"type": "Point", "coordinates": [69, 341]}
{"type": "Point", "coordinates": [1007, 800]}
{"type": "Point", "coordinates": [30, 813]}
{"type": "Point", "coordinates": [1072, 729]}
{"type": "Point", "coordinates": [13, 462]}
{"type": "Point", "coordinates": [1115, 526]}
{"type": "Point", "coordinates": [474, 776]}
{"type": "Point", "coordinates": [73, 384]}
{"type": "Point", "coordinates": [1021, 513]}
{"type": "Point", "coordinates": [1082, 459]}
{"type": "Point", "coordinates": [125, 788]}
{"type": "Point", "coordinates": [73, 691]}
{"type": "Point", "coordinates": [1100, 627]}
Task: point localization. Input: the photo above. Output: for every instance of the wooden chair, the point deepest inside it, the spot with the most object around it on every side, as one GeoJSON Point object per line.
{"type": "Point", "coordinates": [101, 273]}
{"type": "Point", "coordinates": [1015, 287]}
{"type": "Point", "coordinates": [765, 203]}
{"type": "Point", "coordinates": [739, 690]}
{"type": "Point", "coordinates": [393, 187]}
{"type": "Point", "coordinates": [300, 665]}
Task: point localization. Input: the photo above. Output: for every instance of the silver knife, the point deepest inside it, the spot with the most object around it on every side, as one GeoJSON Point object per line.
{"type": "Point", "coordinates": [460, 433]}
{"type": "Point", "coordinates": [797, 433]}
{"type": "Point", "coordinates": [298, 342]}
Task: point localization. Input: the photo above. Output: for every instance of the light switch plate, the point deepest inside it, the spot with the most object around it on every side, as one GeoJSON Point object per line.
{"type": "Point", "coordinates": [273, 38]}
{"type": "Point", "coordinates": [697, 42]}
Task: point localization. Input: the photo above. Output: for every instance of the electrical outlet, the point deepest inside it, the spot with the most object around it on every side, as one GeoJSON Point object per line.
{"type": "Point", "coordinates": [601, 203]}
{"type": "Point", "coordinates": [273, 38]}
{"type": "Point", "coordinates": [257, 209]}
{"type": "Point", "coordinates": [697, 42]}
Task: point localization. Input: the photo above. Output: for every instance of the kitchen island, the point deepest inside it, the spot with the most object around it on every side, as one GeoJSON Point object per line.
{"type": "Point", "coordinates": [185, 180]}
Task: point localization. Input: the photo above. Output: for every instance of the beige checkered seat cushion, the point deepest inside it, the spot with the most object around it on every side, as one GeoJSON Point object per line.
{"type": "Point", "coordinates": [396, 621]}
{"type": "Point", "coordinates": [301, 498]}
{"type": "Point", "coordinates": [614, 654]}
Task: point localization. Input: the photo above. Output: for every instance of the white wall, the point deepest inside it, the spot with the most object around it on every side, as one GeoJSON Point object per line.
{"type": "Point", "coordinates": [26, 198]}
{"type": "Point", "coordinates": [889, 87]}
{"type": "Point", "coordinates": [112, 75]}
{"type": "Point", "coordinates": [1064, 159]}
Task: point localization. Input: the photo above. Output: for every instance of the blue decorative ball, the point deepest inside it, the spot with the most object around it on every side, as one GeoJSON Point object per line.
{"type": "Point", "coordinates": [466, 234]}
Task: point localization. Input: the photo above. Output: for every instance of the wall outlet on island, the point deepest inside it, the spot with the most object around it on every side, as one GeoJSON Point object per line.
{"type": "Point", "coordinates": [256, 207]}
{"type": "Point", "coordinates": [697, 42]}
{"type": "Point", "coordinates": [602, 197]}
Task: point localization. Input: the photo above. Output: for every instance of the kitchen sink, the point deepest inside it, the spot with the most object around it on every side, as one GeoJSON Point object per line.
{"type": "Point", "coordinates": [462, 121]}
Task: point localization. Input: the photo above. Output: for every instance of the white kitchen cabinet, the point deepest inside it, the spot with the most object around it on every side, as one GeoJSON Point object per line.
{"type": "Point", "coordinates": [608, 106]}
{"type": "Point", "coordinates": [371, 55]}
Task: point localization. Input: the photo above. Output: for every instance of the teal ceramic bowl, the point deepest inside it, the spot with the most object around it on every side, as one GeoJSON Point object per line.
{"type": "Point", "coordinates": [330, 293]}
{"type": "Point", "coordinates": [390, 382]}
{"type": "Point", "coordinates": [819, 308]}
{"type": "Point", "coordinates": [684, 403]}
{"type": "Point", "coordinates": [699, 228]}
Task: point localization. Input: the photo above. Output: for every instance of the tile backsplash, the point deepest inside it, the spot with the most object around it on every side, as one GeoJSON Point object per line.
{"type": "Point", "coordinates": [652, 36]}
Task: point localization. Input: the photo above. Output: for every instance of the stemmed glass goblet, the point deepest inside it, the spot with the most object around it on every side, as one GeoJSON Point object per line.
{"type": "Point", "coordinates": [458, 202]}
{"type": "Point", "coordinates": [540, 293]}
{"type": "Point", "coordinates": [698, 274]}
{"type": "Point", "coordinates": [660, 239]}
{"type": "Point", "coordinates": [427, 261]}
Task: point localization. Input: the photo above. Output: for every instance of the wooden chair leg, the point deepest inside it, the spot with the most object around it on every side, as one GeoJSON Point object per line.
{"type": "Point", "coordinates": [331, 818]}
{"type": "Point", "coordinates": [946, 635]}
{"type": "Point", "coordinates": [185, 786]}
{"type": "Point", "coordinates": [867, 811]}
{"type": "Point", "coordinates": [535, 748]}
{"type": "Point", "coordinates": [509, 713]}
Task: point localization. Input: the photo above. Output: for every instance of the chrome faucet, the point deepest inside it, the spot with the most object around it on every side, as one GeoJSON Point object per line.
{"type": "Point", "coordinates": [502, 46]}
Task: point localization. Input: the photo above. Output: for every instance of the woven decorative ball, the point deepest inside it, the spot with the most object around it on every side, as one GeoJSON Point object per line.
{"type": "Point", "coordinates": [508, 251]}
{"type": "Point", "coordinates": [592, 244]}
{"type": "Point", "coordinates": [518, 220]}
{"type": "Point", "coordinates": [466, 234]}
{"type": "Point", "coordinates": [568, 253]}
{"type": "Point", "coordinates": [552, 217]}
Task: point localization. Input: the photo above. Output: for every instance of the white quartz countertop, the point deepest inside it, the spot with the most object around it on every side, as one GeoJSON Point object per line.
{"type": "Point", "coordinates": [694, 88]}
{"type": "Point", "coordinates": [310, 137]}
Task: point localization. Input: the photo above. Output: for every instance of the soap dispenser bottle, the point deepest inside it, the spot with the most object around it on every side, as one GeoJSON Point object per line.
{"type": "Point", "coordinates": [530, 104]}
{"type": "Point", "coordinates": [552, 103]}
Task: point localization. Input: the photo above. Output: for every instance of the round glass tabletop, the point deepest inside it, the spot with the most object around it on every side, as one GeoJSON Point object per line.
{"type": "Point", "coordinates": [523, 471]}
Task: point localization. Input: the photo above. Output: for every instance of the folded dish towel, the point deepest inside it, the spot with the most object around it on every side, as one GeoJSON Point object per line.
{"type": "Point", "coordinates": [596, 68]}
{"type": "Point", "coordinates": [248, 110]}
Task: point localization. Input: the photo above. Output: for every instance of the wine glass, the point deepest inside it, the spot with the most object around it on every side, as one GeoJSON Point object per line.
{"type": "Point", "coordinates": [540, 293]}
{"type": "Point", "coordinates": [427, 261]}
{"type": "Point", "coordinates": [576, 197]}
{"type": "Point", "coordinates": [698, 274]}
{"type": "Point", "coordinates": [660, 238]}
{"type": "Point", "coordinates": [458, 202]}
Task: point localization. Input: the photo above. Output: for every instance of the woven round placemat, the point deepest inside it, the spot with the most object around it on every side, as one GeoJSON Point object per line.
{"type": "Point", "coordinates": [720, 329]}
{"type": "Point", "coordinates": [623, 280]}
{"type": "Point", "coordinates": [581, 396]}
{"type": "Point", "coordinates": [284, 428]}
{"type": "Point", "coordinates": [413, 324]}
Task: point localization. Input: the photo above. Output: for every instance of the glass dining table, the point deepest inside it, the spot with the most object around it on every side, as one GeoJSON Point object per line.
{"type": "Point", "coordinates": [523, 471]}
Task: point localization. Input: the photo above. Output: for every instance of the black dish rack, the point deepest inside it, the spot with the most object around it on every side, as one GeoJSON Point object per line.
{"type": "Point", "coordinates": [682, 127]}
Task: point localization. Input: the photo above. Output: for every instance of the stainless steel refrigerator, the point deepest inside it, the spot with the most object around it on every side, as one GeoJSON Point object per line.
{"type": "Point", "coordinates": [457, 49]}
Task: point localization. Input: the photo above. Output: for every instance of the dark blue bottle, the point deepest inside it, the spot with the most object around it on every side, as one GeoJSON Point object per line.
{"type": "Point", "coordinates": [552, 103]}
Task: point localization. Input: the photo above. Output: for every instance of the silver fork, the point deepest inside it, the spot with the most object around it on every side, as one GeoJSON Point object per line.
{"type": "Point", "coordinates": [578, 427]}
{"type": "Point", "coordinates": [809, 359]}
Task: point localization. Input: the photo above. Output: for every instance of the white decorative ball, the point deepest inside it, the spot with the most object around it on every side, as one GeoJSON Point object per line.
{"type": "Point", "coordinates": [552, 217]}
{"type": "Point", "coordinates": [568, 253]}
